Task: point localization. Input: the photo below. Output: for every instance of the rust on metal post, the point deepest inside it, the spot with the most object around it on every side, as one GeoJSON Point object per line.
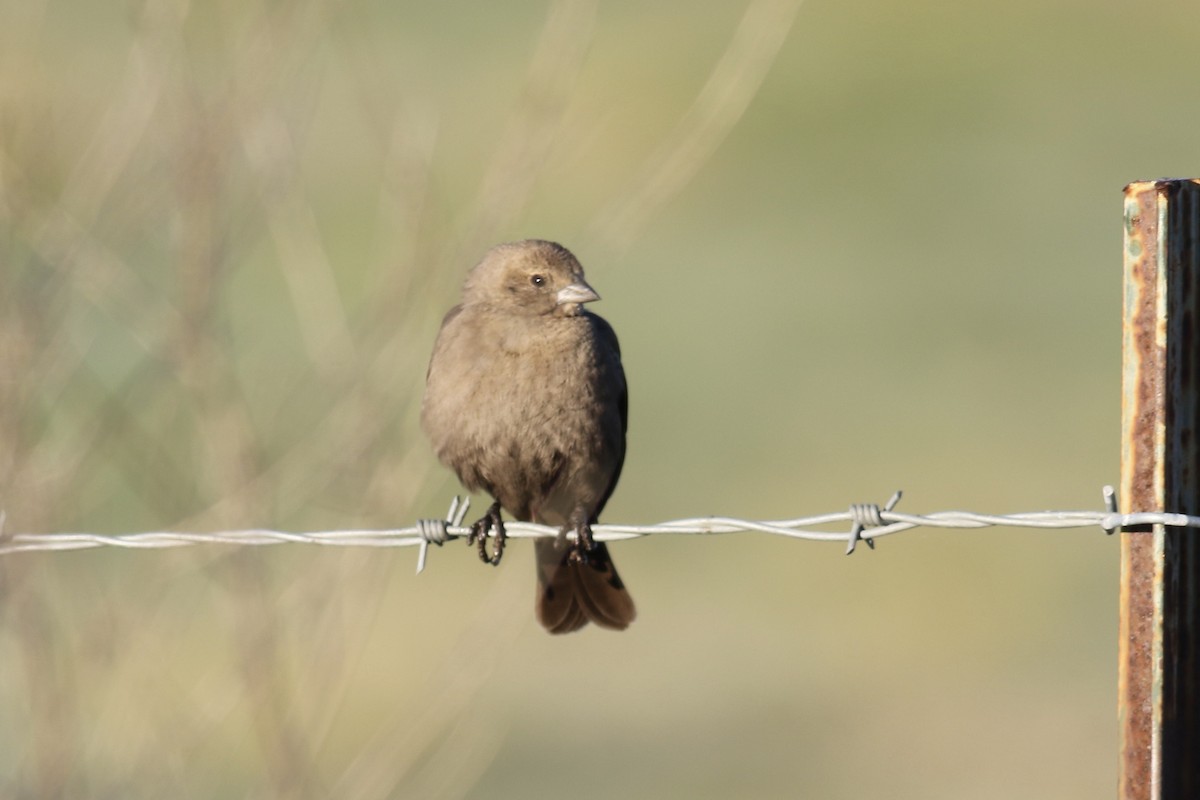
{"type": "Point", "coordinates": [1159, 670]}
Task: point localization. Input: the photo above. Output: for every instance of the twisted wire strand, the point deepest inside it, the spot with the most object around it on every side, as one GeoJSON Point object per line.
{"type": "Point", "coordinates": [868, 522]}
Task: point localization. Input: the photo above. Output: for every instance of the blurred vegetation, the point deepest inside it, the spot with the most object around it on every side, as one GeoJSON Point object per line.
{"type": "Point", "coordinates": [849, 247]}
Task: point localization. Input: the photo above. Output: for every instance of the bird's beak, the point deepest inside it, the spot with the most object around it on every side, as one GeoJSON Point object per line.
{"type": "Point", "coordinates": [577, 292]}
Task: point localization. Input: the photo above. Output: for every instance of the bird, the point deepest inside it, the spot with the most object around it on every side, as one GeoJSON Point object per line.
{"type": "Point", "coordinates": [526, 399]}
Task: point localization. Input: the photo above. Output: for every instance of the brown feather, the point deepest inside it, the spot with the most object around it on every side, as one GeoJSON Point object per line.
{"type": "Point", "coordinates": [526, 399]}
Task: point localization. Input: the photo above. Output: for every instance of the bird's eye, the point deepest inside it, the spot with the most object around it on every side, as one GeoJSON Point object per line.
{"type": "Point", "coordinates": [537, 280]}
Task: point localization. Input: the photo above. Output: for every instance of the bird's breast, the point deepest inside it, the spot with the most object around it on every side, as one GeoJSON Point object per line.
{"type": "Point", "coordinates": [511, 405]}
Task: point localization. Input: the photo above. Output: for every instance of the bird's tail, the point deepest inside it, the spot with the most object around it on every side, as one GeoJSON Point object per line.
{"type": "Point", "coordinates": [572, 592]}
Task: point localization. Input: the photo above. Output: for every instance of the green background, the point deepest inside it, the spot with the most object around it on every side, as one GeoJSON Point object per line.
{"type": "Point", "coordinates": [848, 247]}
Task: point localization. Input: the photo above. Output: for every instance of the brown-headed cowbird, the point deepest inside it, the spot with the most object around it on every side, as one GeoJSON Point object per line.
{"type": "Point", "coordinates": [525, 399]}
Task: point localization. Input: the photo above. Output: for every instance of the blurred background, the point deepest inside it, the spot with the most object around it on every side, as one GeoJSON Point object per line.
{"type": "Point", "coordinates": [849, 247]}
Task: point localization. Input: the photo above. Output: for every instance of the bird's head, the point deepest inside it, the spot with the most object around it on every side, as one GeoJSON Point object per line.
{"type": "Point", "coordinates": [531, 277]}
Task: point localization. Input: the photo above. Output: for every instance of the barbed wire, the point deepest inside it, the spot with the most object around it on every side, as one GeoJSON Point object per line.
{"type": "Point", "coordinates": [867, 523]}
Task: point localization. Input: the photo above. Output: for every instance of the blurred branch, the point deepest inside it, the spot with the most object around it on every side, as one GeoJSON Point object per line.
{"type": "Point", "coordinates": [733, 83]}
{"type": "Point", "coordinates": [306, 269]}
{"type": "Point", "coordinates": [418, 751]}
{"type": "Point", "coordinates": [531, 132]}
{"type": "Point", "coordinates": [118, 137]}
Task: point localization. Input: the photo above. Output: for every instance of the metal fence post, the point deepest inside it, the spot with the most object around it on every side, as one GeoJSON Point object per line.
{"type": "Point", "coordinates": [1159, 670]}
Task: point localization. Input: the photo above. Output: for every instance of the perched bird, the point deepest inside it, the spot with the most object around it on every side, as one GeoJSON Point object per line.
{"type": "Point", "coordinates": [525, 399]}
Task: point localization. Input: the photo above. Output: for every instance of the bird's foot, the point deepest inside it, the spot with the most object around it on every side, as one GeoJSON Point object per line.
{"type": "Point", "coordinates": [584, 543]}
{"type": "Point", "coordinates": [491, 521]}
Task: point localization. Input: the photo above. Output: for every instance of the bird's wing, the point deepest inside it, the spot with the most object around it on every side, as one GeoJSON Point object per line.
{"type": "Point", "coordinates": [610, 349]}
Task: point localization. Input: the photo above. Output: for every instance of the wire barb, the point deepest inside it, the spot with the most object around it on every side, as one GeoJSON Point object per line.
{"type": "Point", "coordinates": [437, 531]}
{"type": "Point", "coordinates": [867, 515]}
{"type": "Point", "coordinates": [1110, 504]}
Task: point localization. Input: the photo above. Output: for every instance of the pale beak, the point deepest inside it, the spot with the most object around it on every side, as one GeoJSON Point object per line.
{"type": "Point", "coordinates": [578, 292]}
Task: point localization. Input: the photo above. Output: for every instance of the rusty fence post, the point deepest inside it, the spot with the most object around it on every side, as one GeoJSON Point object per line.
{"type": "Point", "coordinates": [1159, 670]}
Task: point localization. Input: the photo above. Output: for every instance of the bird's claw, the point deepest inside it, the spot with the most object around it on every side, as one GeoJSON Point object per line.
{"type": "Point", "coordinates": [584, 543]}
{"type": "Point", "coordinates": [491, 521]}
